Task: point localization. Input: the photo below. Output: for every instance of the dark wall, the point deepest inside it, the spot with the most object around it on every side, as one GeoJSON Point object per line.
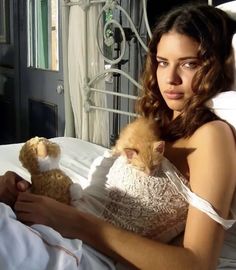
{"type": "Point", "coordinates": [7, 49]}
{"type": "Point", "coordinates": [156, 8]}
{"type": "Point", "coordinates": [8, 71]}
{"type": "Point", "coordinates": [218, 2]}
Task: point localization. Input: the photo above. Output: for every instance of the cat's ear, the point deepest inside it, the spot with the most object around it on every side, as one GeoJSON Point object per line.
{"type": "Point", "coordinates": [130, 153]}
{"type": "Point", "coordinates": [159, 147]}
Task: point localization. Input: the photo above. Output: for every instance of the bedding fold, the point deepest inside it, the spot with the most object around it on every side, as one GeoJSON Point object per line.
{"type": "Point", "coordinates": [41, 248]}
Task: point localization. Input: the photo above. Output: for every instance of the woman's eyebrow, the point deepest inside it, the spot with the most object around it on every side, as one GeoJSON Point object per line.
{"type": "Point", "coordinates": [181, 58]}
{"type": "Point", "coordinates": [161, 58]}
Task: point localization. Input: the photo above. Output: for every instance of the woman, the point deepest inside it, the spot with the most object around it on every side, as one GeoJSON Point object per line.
{"type": "Point", "coordinates": [189, 62]}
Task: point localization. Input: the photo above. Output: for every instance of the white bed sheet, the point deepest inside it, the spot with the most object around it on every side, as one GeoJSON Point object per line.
{"type": "Point", "coordinates": [76, 158]}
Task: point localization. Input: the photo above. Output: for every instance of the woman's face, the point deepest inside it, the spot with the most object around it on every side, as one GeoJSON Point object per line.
{"type": "Point", "coordinates": [177, 58]}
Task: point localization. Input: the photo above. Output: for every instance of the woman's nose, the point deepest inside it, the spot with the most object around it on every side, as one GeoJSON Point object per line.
{"type": "Point", "coordinates": [173, 77]}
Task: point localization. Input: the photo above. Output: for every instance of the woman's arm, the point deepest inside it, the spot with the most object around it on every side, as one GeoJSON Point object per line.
{"type": "Point", "coordinates": [212, 177]}
{"type": "Point", "coordinates": [129, 248]}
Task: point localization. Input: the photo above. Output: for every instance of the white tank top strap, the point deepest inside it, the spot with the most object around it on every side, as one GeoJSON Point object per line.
{"type": "Point", "coordinates": [193, 199]}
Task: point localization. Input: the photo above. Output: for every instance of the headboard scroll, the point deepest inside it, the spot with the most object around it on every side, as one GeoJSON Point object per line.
{"type": "Point", "coordinates": [108, 79]}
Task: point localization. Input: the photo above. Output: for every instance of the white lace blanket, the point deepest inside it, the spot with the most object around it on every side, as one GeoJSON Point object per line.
{"type": "Point", "coordinates": [128, 198]}
{"type": "Point", "coordinates": [152, 206]}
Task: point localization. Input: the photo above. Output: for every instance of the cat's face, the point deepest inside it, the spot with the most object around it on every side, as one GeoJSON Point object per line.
{"type": "Point", "coordinates": [148, 158]}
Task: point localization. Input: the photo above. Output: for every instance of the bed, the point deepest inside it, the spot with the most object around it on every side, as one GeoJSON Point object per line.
{"type": "Point", "coordinates": [96, 106]}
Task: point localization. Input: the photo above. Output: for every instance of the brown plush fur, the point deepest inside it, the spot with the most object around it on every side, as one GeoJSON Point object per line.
{"type": "Point", "coordinates": [139, 142]}
{"type": "Point", "coordinates": [53, 182]}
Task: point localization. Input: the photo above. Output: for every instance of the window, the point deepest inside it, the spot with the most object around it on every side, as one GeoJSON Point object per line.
{"type": "Point", "coordinates": [42, 33]}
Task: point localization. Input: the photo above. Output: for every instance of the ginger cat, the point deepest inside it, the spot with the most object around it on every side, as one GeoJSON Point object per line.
{"type": "Point", "coordinates": [139, 142]}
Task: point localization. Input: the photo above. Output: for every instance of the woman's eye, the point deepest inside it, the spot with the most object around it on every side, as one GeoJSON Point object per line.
{"type": "Point", "coordinates": [162, 63]}
{"type": "Point", "coordinates": [190, 65]}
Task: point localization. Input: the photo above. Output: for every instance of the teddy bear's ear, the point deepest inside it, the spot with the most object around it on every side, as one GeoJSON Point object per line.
{"type": "Point", "coordinates": [28, 156]}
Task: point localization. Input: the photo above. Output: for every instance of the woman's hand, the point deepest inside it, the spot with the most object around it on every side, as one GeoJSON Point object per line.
{"type": "Point", "coordinates": [36, 209]}
{"type": "Point", "coordinates": [10, 185]}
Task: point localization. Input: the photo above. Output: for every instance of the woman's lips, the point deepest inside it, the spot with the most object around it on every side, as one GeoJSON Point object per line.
{"type": "Point", "coordinates": [174, 95]}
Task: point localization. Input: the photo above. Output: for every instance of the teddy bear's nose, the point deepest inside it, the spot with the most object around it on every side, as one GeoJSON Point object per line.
{"type": "Point", "coordinates": [42, 150]}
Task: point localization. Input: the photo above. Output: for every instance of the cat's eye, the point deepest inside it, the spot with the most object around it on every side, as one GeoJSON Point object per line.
{"type": "Point", "coordinates": [138, 167]}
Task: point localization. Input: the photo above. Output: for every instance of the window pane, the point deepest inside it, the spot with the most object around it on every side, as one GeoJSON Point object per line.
{"type": "Point", "coordinates": [43, 34]}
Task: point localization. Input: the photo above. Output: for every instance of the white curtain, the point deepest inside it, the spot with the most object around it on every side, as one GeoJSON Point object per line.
{"type": "Point", "coordinates": [92, 126]}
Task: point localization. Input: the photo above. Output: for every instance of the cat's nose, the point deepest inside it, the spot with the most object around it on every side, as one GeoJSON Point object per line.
{"type": "Point", "coordinates": [153, 171]}
{"type": "Point", "coordinates": [148, 171]}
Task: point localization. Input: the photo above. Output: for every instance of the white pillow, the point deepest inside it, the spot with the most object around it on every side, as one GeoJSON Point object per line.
{"type": "Point", "coordinates": [230, 8]}
{"type": "Point", "coordinates": [224, 105]}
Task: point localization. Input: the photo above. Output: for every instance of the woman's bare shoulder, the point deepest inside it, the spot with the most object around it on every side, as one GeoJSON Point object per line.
{"type": "Point", "coordinates": [215, 133]}
{"type": "Point", "coordinates": [213, 143]}
{"type": "Point", "coordinates": [212, 161]}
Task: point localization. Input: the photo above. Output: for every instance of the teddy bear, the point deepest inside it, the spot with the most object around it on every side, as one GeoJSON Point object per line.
{"type": "Point", "coordinates": [40, 157]}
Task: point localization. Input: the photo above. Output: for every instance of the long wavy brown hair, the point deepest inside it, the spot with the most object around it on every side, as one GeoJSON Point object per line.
{"type": "Point", "coordinates": [213, 29]}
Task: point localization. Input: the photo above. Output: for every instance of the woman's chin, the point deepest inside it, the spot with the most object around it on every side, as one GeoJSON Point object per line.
{"type": "Point", "coordinates": [175, 105]}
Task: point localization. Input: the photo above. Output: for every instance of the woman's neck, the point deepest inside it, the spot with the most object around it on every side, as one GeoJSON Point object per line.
{"type": "Point", "coordinates": [175, 114]}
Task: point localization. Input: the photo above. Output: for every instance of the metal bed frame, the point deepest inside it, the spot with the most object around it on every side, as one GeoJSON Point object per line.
{"type": "Point", "coordinates": [115, 64]}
